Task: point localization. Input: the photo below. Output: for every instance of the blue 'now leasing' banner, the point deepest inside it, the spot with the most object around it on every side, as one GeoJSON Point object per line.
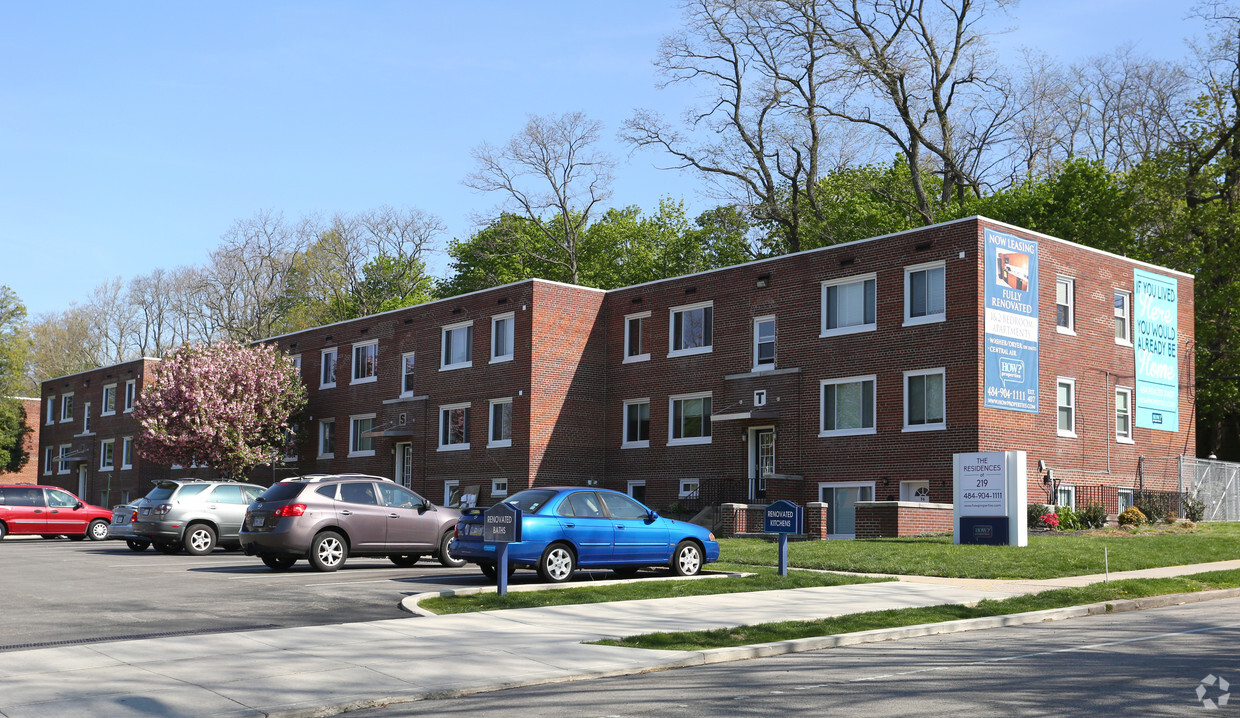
{"type": "Point", "coordinates": [1011, 295]}
{"type": "Point", "coordinates": [1155, 331]}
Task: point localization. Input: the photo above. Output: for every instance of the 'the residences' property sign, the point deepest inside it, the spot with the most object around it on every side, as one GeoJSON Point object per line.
{"type": "Point", "coordinates": [1155, 331]}
{"type": "Point", "coordinates": [1011, 303]}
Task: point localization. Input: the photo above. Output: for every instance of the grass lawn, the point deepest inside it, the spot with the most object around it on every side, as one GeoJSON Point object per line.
{"type": "Point", "coordinates": [788, 630]}
{"type": "Point", "coordinates": [766, 579]}
{"type": "Point", "coordinates": [1047, 556]}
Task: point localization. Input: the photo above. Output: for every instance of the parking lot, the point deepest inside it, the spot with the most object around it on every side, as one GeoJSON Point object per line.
{"type": "Point", "coordinates": [58, 591]}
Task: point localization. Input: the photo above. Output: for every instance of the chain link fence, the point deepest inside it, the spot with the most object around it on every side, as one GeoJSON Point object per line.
{"type": "Point", "coordinates": [1208, 486]}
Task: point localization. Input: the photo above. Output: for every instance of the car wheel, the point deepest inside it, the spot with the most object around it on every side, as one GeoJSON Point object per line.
{"type": "Point", "coordinates": [625, 571]}
{"type": "Point", "coordinates": [77, 537]}
{"type": "Point", "coordinates": [4, 531]}
{"type": "Point", "coordinates": [279, 563]}
{"type": "Point", "coordinates": [445, 557]}
{"type": "Point", "coordinates": [168, 547]}
{"type": "Point", "coordinates": [199, 540]}
{"type": "Point", "coordinates": [328, 551]}
{"type": "Point", "coordinates": [97, 531]}
{"type": "Point", "coordinates": [49, 536]}
{"type": "Point", "coordinates": [686, 559]}
{"type": "Point", "coordinates": [136, 545]}
{"type": "Point", "coordinates": [404, 560]}
{"type": "Point", "coordinates": [557, 563]}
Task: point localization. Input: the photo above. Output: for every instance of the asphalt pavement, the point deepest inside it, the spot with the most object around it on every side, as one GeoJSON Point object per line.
{"type": "Point", "coordinates": [324, 670]}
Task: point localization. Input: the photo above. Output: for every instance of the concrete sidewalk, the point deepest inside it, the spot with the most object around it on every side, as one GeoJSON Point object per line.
{"type": "Point", "coordinates": [321, 670]}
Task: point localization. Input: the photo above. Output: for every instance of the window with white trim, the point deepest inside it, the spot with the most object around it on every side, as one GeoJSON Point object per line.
{"type": "Point", "coordinates": [925, 297]}
{"type": "Point", "coordinates": [406, 373]}
{"type": "Point", "coordinates": [49, 455]}
{"type": "Point", "coordinates": [107, 454]}
{"type": "Point", "coordinates": [1123, 414]}
{"type": "Point", "coordinates": [848, 305]}
{"type": "Point", "coordinates": [86, 418]}
{"type": "Point", "coordinates": [636, 424]}
{"type": "Point", "coordinates": [1126, 498]}
{"type": "Point", "coordinates": [1123, 317]}
{"type": "Point", "coordinates": [296, 360]}
{"type": "Point", "coordinates": [847, 406]}
{"type": "Point", "coordinates": [458, 346]}
{"type": "Point", "coordinates": [64, 465]}
{"type": "Point", "coordinates": [127, 452]}
{"type": "Point", "coordinates": [365, 357]}
{"type": "Point", "coordinates": [689, 488]}
{"type": "Point", "coordinates": [454, 427]}
{"type": "Point", "coordinates": [327, 368]}
{"type": "Point", "coordinates": [1065, 288]}
{"type": "Point", "coordinates": [327, 438]}
{"type": "Point", "coordinates": [692, 329]}
{"type": "Point", "coordinates": [500, 432]}
{"type": "Point", "coordinates": [109, 400]}
{"type": "Point", "coordinates": [66, 407]}
{"type": "Point", "coordinates": [1066, 496]}
{"type": "Point", "coordinates": [763, 343]}
{"type": "Point", "coordinates": [50, 412]}
{"type": "Point", "coordinates": [131, 393]}
{"type": "Point", "coordinates": [361, 445]}
{"type": "Point", "coordinates": [1065, 403]}
{"type": "Point", "coordinates": [502, 337]}
{"type": "Point", "coordinates": [924, 403]}
{"type": "Point", "coordinates": [634, 346]}
{"type": "Point", "coordinates": [499, 487]}
{"type": "Point", "coordinates": [690, 419]}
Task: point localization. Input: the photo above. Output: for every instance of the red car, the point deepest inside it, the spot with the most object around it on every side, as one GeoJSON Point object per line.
{"type": "Point", "coordinates": [49, 511]}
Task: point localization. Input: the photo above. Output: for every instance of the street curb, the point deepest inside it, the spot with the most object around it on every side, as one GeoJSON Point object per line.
{"type": "Point", "coordinates": [777, 648]}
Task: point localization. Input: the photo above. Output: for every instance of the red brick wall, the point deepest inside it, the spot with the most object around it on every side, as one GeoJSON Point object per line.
{"type": "Point", "coordinates": [878, 519]}
{"type": "Point", "coordinates": [29, 473]}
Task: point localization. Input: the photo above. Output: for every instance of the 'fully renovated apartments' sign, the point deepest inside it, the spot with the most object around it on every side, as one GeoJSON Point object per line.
{"type": "Point", "coordinates": [1011, 295]}
{"type": "Point", "coordinates": [1155, 327]}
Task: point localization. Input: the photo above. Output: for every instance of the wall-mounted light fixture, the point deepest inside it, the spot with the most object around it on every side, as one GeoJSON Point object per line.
{"type": "Point", "coordinates": [764, 281]}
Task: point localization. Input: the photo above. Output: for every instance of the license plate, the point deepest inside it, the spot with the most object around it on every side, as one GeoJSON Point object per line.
{"type": "Point", "coordinates": [474, 530]}
{"type": "Point", "coordinates": [146, 510]}
{"type": "Point", "coordinates": [258, 521]}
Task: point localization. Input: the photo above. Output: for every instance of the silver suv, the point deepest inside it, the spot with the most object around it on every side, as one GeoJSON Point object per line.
{"type": "Point", "coordinates": [192, 514]}
{"type": "Point", "coordinates": [325, 518]}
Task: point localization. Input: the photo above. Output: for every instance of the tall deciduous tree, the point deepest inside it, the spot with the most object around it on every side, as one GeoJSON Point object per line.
{"type": "Point", "coordinates": [14, 426]}
{"type": "Point", "coordinates": [229, 406]}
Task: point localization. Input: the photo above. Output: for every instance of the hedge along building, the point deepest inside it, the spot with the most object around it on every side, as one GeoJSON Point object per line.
{"type": "Point", "coordinates": [848, 374]}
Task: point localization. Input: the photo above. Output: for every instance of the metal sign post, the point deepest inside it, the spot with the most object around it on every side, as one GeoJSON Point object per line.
{"type": "Point", "coordinates": [783, 518]}
{"type": "Point", "coordinates": [502, 524]}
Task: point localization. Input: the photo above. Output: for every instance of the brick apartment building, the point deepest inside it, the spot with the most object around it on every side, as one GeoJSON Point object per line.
{"type": "Point", "coordinates": [845, 375]}
{"type": "Point", "coordinates": [29, 473]}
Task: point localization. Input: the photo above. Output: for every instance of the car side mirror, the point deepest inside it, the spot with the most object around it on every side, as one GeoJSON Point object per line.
{"type": "Point", "coordinates": [423, 508]}
{"type": "Point", "coordinates": [652, 515]}
{"type": "Point", "coordinates": [78, 505]}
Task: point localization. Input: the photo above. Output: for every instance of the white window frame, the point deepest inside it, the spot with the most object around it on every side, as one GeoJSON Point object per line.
{"type": "Point", "coordinates": [296, 359]}
{"type": "Point", "coordinates": [938, 426]}
{"type": "Point", "coordinates": [511, 320]}
{"type": "Point", "coordinates": [66, 407]}
{"type": "Point", "coordinates": [407, 373]}
{"type": "Point", "coordinates": [1070, 432]}
{"type": "Point", "coordinates": [492, 442]}
{"type": "Point", "coordinates": [107, 452]}
{"type": "Point", "coordinates": [1124, 311]}
{"type": "Point", "coordinates": [331, 453]}
{"type": "Point", "coordinates": [1070, 490]}
{"type": "Point", "coordinates": [447, 489]}
{"type": "Point", "coordinates": [63, 467]}
{"type": "Point", "coordinates": [355, 435]}
{"type": "Point", "coordinates": [824, 311]}
{"type": "Point", "coordinates": [49, 457]}
{"type": "Point", "coordinates": [774, 342]}
{"type": "Point", "coordinates": [1119, 498]}
{"type": "Point", "coordinates": [671, 413]}
{"type": "Point", "coordinates": [1070, 291]}
{"type": "Point", "coordinates": [640, 318]}
{"type": "Point", "coordinates": [126, 452]}
{"type": "Point", "coordinates": [334, 352]}
{"type": "Point", "coordinates": [625, 443]}
{"type": "Point", "coordinates": [685, 490]}
{"type": "Point", "coordinates": [131, 394]}
{"type": "Point", "coordinates": [443, 345]}
{"type": "Point", "coordinates": [633, 483]}
{"type": "Point", "coordinates": [822, 385]}
{"type": "Point", "coordinates": [1124, 438]}
{"type": "Point", "coordinates": [445, 409]}
{"type": "Point", "coordinates": [356, 365]}
{"type": "Point", "coordinates": [51, 410]}
{"type": "Point", "coordinates": [86, 419]}
{"type": "Point", "coordinates": [672, 351]}
{"type": "Point", "coordinates": [108, 388]}
{"type": "Point", "coordinates": [499, 487]}
{"type": "Point", "coordinates": [831, 509]}
{"type": "Point", "coordinates": [909, 271]}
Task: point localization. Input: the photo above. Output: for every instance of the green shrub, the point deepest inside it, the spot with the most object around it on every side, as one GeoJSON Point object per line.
{"type": "Point", "coordinates": [1093, 516]}
{"type": "Point", "coordinates": [1068, 520]}
{"type": "Point", "coordinates": [1132, 516]}
{"type": "Point", "coordinates": [1194, 508]}
{"type": "Point", "coordinates": [1036, 512]}
{"type": "Point", "coordinates": [1154, 507]}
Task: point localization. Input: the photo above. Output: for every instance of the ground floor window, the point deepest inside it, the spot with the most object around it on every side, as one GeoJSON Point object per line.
{"type": "Point", "coordinates": [841, 500]}
{"type": "Point", "coordinates": [1066, 496]}
{"type": "Point", "coordinates": [688, 488]}
{"type": "Point", "coordinates": [637, 489]}
{"type": "Point", "coordinates": [1126, 500]}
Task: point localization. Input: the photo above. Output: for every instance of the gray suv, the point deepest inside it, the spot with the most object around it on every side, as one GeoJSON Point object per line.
{"type": "Point", "coordinates": [325, 518]}
{"type": "Point", "coordinates": [192, 514]}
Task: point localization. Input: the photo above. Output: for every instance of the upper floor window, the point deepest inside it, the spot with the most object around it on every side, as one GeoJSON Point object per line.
{"type": "Point", "coordinates": [1123, 414]}
{"type": "Point", "coordinates": [1123, 313]}
{"type": "Point", "coordinates": [406, 374]}
{"type": "Point", "coordinates": [690, 419]}
{"type": "Point", "coordinates": [131, 393]}
{"type": "Point", "coordinates": [296, 359]}
{"type": "Point", "coordinates": [691, 329]}
{"type": "Point", "coordinates": [50, 412]}
{"type": "Point", "coordinates": [107, 454]}
{"type": "Point", "coordinates": [327, 438]}
{"type": "Point", "coordinates": [86, 418]}
{"type": "Point", "coordinates": [924, 293]}
{"type": "Point", "coordinates": [365, 356]}
{"type": "Point", "coordinates": [923, 400]}
{"type": "Point", "coordinates": [109, 400]}
{"type": "Point", "coordinates": [636, 424]}
{"type": "Point", "coordinates": [66, 407]}
{"type": "Point", "coordinates": [458, 346]}
{"type": "Point", "coordinates": [64, 465]}
{"type": "Point", "coordinates": [501, 423]}
{"type": "Point", "coordinates": [49, 454]}
{"type": "Point", "coordinates": [127, 452]}
{"type": "Point", "coordinates": [1064, 289]}
{"type": "Point", "coordinates": [1065, 402]}
{"type": "Point", "coordinates": [764, 343]}
{"type": "Point", "coordinates": [848, 305]}
{"type": "Point", "coordinates": [361, 445]}
{"type": "Point", "coordinates": [453, 427]}
{"type": "Point", "coordinates": [634, 346]}
{"type": "Point", "coordinates": [847, 406]}
{"type": "Point", "coordinates": [501, 337]}
{"type": "Point", "coordinates": [327, 372]}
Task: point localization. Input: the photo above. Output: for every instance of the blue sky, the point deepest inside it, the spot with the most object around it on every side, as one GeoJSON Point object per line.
{"type": "Point", "coordinates": [133, 134]}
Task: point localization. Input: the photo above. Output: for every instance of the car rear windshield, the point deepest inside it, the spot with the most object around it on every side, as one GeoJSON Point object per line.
{"type": "Point", "coordinates": [531, 500]}
{"type": "Point", "coordinates": [282, 491]}
{"type": "Point", "coordinates": [162, 491]}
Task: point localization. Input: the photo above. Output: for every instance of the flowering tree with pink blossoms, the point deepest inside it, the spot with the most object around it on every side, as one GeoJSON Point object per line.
{"type": "Point", "coordinates": [227, 405]}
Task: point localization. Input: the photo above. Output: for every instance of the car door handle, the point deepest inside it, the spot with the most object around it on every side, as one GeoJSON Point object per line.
{"type": "Point", "coordinates": [393, 516]}
{"type": "Point", "coordinates": [346, 512]}
{"type": "Point", "coordinates": [570, 526]}
{"type": "Point", "coordinates": [38, 511]}
{"type": "Point", "coordinates": [619, 527]}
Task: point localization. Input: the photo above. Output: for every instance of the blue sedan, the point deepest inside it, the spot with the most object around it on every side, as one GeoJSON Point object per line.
{"type": "Point", "coordinates": [563, 529]}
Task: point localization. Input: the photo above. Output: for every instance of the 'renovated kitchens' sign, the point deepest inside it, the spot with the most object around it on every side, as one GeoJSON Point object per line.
{"type": "Point", "coordinates": [1011, 315]}
{"type": "Point", "coordinates": [1155, 333]}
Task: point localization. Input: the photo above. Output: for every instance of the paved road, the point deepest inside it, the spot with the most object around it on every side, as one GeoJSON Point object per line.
{"type": "Point", "coordinates": [1139, 663]}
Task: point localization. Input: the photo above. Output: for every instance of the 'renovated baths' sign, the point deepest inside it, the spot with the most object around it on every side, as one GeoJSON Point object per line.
{"type": "Point", "coordinates": [1155, 343]}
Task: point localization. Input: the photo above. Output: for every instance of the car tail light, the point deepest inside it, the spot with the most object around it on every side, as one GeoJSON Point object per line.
{"type": "Point", "coordinates": [456, 531]}
{"type": "Point", "coordinates": [134, 517]}
{"type": "Point", "coordinates": [290, 510]}
{"type": "Point", "coordinates": [162, 509]}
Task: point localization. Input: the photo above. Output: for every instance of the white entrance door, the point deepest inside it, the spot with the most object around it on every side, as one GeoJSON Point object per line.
{"type": "Point", "coordinates": [81, 492]}
{"type": "Point", "coordinates": [761, 460]}
{"type": "Point", "coordinates": [915, 491]}
{"type": "Point", "coordinates": [404, 464]}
